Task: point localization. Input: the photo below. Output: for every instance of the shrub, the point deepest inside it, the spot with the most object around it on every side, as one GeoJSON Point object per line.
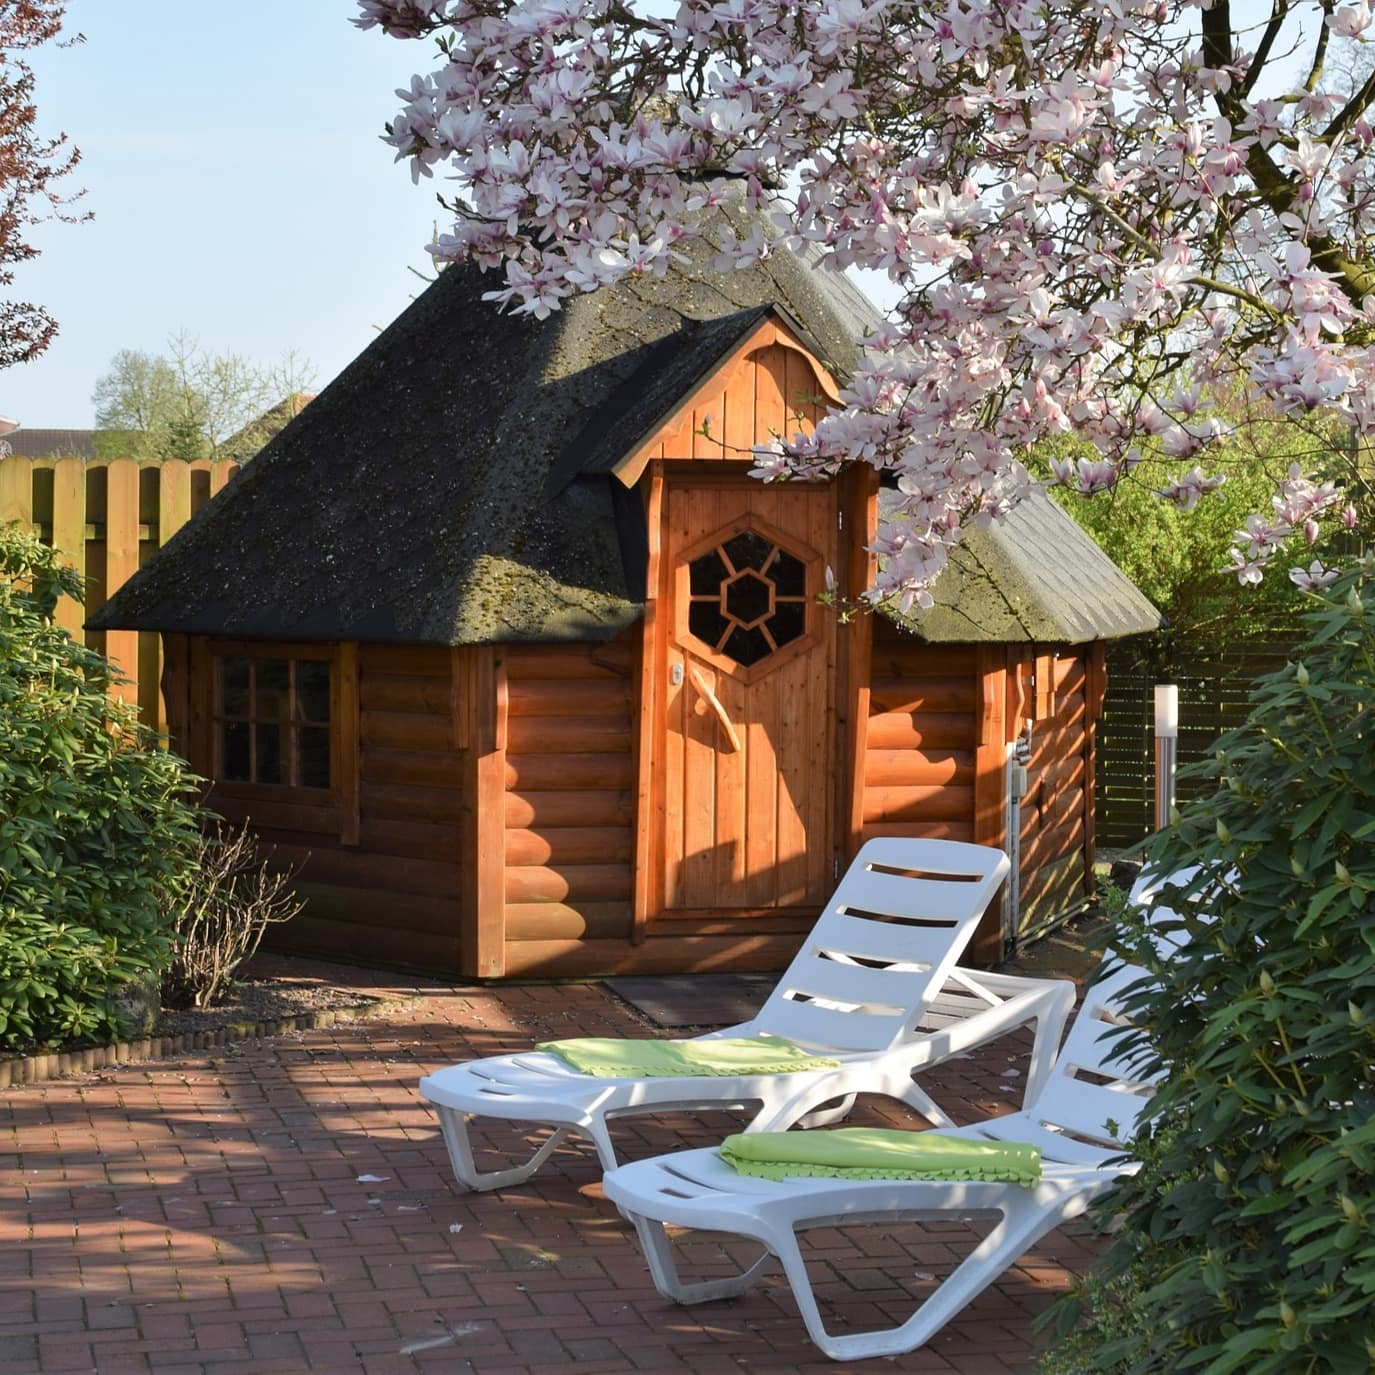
{"type": "Point", "coordinates": [1248, 1243]}
{"type": "Point", "coordinates": [94, 825]}
{"type": "Point", "coordinates": [229, 900]}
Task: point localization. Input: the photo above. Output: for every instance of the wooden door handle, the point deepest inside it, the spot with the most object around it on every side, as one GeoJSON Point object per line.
{"type": "Point", "coordinates": [704, 688]}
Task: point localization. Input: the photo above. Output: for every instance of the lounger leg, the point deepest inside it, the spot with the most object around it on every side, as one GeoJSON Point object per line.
{"type": "Point", "coordinates": [454, 1125]}
{"type": "Point", "coordinates": [1020, 1227]}
{"type": "Point", "coordinates": [663, 1266]}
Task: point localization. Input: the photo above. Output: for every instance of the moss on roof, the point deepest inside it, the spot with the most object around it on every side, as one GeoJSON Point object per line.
{"type": "Point", "coordinates": [1033, 576]}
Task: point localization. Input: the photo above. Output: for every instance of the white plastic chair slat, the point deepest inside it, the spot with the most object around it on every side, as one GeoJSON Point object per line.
{"type": "Point", "coordinates": [876, 940]}
{"type": "Point", "coordinates": [813, 1025]}
{"type": "Point", "coordinates": [946, 904]}
{"type": "Point", "coordinates": [1087, 1109]}
{"type": "Point", "coordinates": [895, 989]}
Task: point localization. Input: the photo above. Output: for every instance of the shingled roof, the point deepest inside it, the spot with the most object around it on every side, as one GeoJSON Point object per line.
{"type": "Point", "coordinates": [454, 484]}
{"type": "Point", "coordinates": [431, 494]}
{"type": "Point", "coordinates": [1035, 575]}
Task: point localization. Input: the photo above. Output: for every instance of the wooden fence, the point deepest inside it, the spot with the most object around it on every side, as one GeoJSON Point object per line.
{"type": "Point", "coordinates": [107, 517]}
{"type": "Point", "coordinates": [1212, 700]}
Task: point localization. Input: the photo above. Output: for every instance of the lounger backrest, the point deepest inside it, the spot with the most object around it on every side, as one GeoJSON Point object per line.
{"type": "Point", "coordinates": [879, 953]}
{"type": "Point", "coordinates": [1097, 1090]}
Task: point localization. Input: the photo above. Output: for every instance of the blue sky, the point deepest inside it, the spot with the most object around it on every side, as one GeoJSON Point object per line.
{"type": "Point", "coordinates": [240, 193]}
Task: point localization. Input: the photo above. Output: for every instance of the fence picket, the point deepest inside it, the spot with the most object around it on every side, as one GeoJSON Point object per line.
{"type": "Point", "coordinates": [100, 499]}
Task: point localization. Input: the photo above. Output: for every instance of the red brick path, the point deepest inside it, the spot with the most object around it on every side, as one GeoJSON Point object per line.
{"type": "Point", "coordinates": [214, 1213]}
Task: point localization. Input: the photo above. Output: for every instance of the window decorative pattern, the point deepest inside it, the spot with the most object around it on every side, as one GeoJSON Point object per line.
{"type": "Point", "coordinates": [747, 598]}
{"type": "Point", "coordinates": [272, 721]}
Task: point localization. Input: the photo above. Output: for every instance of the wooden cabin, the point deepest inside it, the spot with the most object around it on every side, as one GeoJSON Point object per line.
{"type": "Point", "coordinates": [503, 651]}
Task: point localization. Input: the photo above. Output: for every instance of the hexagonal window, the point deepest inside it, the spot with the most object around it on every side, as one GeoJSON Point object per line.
{"type": "Point", "coordinates": [747, 597]}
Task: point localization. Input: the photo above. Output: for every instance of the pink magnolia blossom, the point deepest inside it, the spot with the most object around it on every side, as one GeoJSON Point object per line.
{"type": "Point", "coordinates": [1094, 214]}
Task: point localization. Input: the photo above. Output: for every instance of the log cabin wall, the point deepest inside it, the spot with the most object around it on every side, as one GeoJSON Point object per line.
{"type": "Point", "coordinates": [379, 856]}
{"type": "Point", "coordinates": [568, 806]}
{"type": "Point", "coordinates": [920, 738]}
{"type": "Point", "coordinates": [1059, 691]}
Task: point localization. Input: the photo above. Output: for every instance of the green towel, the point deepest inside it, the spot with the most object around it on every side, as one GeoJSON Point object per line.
{"type": "Point", "coordinates": [611, 1058]}
{"type": "Point", "coordinates": [872, 1153]}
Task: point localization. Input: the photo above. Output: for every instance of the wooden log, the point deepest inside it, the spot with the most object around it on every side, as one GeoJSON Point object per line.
{"type": "Point", "coordinates": [574, 772]}
{"type": "Point", "coordinates": [411, 768]}
{"type": "Point", "coordinates": [409, 730]}
{"type": "Point", "coordinates": [411, 838]}
{"type": "Point", "coordinates": [911, 659]}
{"type": "Point", "coordinates": [602, 696]}
{"type": "Point", "coordinates": [406, 661]}
{"type": "Point", "coordinates": [346, 750]}
{"type": "Point", "coordinates": [570, 845]}
{"type": "Point", "coordinates": [578, 959]}
{"type": "Point", "coordinates": [928, 830]}
{"type": "Point", "coordinates": [918, 804]}
{"type": "Point", "coordinates": [315, 819]}
{"type": "Point", "coordinates": [363, 935]}
{"type": "Point", "coordinates": [929, 730]}
{"type": "Point", "coordinates": [917, 769]}
{"type": "Point", "coordinates": [382, 873]}
{"type": "Point", "coordinates": [613, 660]}
{"type": "Point", "coordinates": [569, 735]}
{"type": "Point", "coordinates": [557, 921]}
{"type": "Point", "coordinates": [569, 883]}
{"type": "Point", "coordinates": [400, 802]}
{"type": "Point", "coordinates": [922, 695]}
{"type": "Point", "coordinates": [541, 810]}
{"type": "Point", "coordinates": [394, 692]}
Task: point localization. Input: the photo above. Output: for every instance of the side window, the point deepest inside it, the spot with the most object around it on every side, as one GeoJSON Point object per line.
{"type": "Point", "coordinates": [272, 721]}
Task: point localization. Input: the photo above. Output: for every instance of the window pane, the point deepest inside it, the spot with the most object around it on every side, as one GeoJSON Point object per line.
{"type": "Point", "coordinates": [234, 687]}
{"type": "Point", "coordinates": [269, 740]}
{"type": "Point", "coordinates": [788, 623]}
{"type": "Point", "coordinates": [271, 695]}
{"type": "Point", "coordinates": [789, 574]}
{"type": "Point", "coordinates": [234, 751]}
{"type": "Point", "coordinates": [706, 573]}
{"type": "Point", "coordinates": [312, 690]}
{"type": "Point", "coordinates": [746, 647]}
{"type": "Point", "coordinates": [706, 621]}
{"type": "Point", "coordinates": [312, 757]}
{"type": "Point", "coordinates": [747, 550]}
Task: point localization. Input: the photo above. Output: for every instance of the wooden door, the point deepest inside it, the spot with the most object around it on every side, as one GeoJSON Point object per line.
{"type": "Point", "coordinates": [744, 765]}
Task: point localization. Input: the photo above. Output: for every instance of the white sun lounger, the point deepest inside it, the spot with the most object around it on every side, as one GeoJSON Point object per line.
{"type": "Point", "coordinates": [875, 986]}
{"type": "Point", "coordinates": [1088, 1105]}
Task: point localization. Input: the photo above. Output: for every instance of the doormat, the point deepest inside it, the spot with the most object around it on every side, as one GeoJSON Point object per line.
{"type": "Point", "coordinates": [677, 1000]}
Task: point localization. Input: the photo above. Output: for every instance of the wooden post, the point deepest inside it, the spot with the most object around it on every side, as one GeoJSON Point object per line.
{"type": "Point", "coordinates": [1095, 689]}
{"type": "Point", "coordinates": [176, 692]}
{"type": "Point", "coordinates": [121, 562]}
{"type": "Point", "coordinates": [484, 927]}
{"type": "Point", "coordinates": [859, 513]}
{"type": "Point", "coordinates": [346, 740]}
{"type": "Point", "coordinates": [990, 785]}
{"type": "Point", "coordinates": [69, 535]}
{"type": "Point", "coordinates": [649, 741]}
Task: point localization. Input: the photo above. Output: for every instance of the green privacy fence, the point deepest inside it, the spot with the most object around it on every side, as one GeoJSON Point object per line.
{"type": "Point", "coordinates": [1213, 692]}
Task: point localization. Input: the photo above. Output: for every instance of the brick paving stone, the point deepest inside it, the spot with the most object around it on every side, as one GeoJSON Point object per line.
{"type": "Point", "coordinates": [205, 1214]}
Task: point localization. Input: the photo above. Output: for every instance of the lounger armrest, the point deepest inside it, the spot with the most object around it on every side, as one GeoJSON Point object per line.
{"type": "Point", "coordinates": [1020, 1000]}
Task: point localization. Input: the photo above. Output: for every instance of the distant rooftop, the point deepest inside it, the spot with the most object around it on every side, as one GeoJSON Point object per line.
{"type": "Point", "coordinates": [37, 443]}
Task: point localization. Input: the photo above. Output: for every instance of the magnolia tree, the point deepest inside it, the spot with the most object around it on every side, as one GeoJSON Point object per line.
{"type": "Point", "coordinates": [1100, 214]}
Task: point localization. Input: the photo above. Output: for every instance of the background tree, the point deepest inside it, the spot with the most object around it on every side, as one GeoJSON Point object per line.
{"type": "Point", "coordinates": [189, 403]}
{"type": "Point", "coordinates": [29, 164]}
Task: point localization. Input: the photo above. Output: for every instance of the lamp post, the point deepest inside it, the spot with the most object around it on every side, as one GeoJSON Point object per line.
{"type": "Point", "coordinates": [1166, 749]}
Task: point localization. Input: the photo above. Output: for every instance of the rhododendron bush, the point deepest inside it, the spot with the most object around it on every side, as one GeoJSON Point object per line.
{"type": "Point", "coordinates": [1100, 215]}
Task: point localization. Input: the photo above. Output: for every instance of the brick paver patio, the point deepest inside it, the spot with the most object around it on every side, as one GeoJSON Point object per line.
{"type": "Point", "coordinates": [285, 1205]}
